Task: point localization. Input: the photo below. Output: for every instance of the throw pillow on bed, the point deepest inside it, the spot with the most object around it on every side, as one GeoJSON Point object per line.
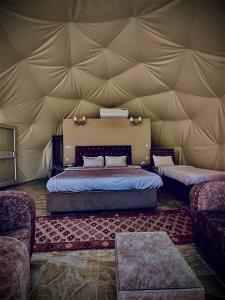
{"type": "Point", "coordinates": [115, 161]}
{"type": "Point", "coordinates": [162, 161]}
{"type": "Point", "coordinates": [91, 162]}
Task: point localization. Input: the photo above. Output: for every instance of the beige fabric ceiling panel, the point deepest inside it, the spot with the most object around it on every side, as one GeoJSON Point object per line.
{"type": "Point", "coordinates": [164, 60]}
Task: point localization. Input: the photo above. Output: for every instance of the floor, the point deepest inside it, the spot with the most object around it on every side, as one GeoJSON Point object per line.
{"type": "Point", "coordinates": [90, 274]}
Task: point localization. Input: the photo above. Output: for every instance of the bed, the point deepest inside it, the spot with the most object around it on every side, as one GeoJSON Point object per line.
{"type": "Point", "coordinates": [181, 178]}
{"type": "Point", "coordinates": [94, 189]}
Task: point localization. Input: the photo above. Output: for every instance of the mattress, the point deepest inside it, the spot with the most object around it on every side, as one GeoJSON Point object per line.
{"type": "Point", "coordinates": [103, 179]}
{"type": "Point", "coordinates": [189, 175]}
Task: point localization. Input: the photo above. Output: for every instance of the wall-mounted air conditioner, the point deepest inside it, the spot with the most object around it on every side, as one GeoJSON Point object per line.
{"type": "Point", "coordinates": [114, 113]}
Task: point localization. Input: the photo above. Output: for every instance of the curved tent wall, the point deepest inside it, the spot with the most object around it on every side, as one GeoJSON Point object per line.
{"type": "Point", "coordinates": [163, 60]}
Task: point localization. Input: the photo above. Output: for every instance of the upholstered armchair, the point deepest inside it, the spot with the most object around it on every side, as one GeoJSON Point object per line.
{"type": "Point", "coordinates": [207, 196]}
{"type": "Point", "coordinates": [207, 200]}
{"type": "Point", "coordinates": [17, 229]}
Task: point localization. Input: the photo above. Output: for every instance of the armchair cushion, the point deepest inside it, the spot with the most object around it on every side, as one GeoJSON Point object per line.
{"type": "Point", "coordinates": [21, 234]}
{"type": "Point", "coordinates": [208, 196]}
{"type": "Point", "coordinates": [17, 229]}
{"type": "Point", "coordinates": [17, 211]}
{"type": "Point", "coordinates": [207, 201]}
{"type": "Point", "coordinates": [15, 269]}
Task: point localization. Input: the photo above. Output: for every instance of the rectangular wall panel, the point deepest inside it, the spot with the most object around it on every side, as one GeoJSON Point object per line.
{"type": "Point", "coordinates": [107, 132]}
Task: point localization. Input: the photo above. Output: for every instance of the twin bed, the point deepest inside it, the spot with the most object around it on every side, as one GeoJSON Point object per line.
{"type": "Point", "coordinates": [187, 175]}
{"type": "Point", "coordinates": [84, 189]}
{"type": "Point", "coordinates": [110, 188]}
{"type": "Point", "coordinates": [179, 179]}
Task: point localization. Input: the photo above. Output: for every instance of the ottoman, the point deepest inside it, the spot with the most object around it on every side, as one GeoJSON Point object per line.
{"type": "Point", "coordinates": [149, 266]}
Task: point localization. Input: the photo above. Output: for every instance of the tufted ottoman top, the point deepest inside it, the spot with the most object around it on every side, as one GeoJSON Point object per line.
{"type": "Point", "coordinates": [149, 261]}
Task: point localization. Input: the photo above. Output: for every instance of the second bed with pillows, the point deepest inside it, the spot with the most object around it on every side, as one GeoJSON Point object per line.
{"type": "Point", "coordinates": [188, 175]}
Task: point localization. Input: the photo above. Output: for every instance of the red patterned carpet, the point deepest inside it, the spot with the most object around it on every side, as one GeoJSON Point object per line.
{"type": "Point", "coordinates": [97, 231]}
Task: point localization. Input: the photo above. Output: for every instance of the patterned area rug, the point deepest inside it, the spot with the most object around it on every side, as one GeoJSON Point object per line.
{"type": "Point", "coordinates": [97, 231]}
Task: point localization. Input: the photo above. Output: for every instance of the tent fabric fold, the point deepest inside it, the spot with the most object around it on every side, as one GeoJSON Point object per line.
{"type": "Point", "coordinates": [163, 60]}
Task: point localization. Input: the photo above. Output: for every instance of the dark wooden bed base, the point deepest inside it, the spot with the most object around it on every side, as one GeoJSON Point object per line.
{"type": "Point", "coordinates": [101, 200]}
{"type": "Point", "coordinates": [170, 185]}
{"type": "Point", "coordinates": [176, 188]}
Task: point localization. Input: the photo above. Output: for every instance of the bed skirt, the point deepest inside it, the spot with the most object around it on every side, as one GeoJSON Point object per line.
{"type": "Point", "coordinates": [101, 200]}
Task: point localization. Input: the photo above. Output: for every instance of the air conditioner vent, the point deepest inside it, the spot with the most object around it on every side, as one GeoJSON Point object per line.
{"type": "Point", "coordinates": [114, 113]}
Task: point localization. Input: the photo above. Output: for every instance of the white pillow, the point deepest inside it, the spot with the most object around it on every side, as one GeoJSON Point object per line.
{"type": "Point", "coordinates": [160, 161]}
{"type": "Point", "coordinates": [115, 161]}
{"type": "Point", "coordinates": [91, 162]}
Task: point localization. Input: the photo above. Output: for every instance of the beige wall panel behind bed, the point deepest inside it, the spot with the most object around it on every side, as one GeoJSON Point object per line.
{"type": "Point", "coordinates": [107, 132]}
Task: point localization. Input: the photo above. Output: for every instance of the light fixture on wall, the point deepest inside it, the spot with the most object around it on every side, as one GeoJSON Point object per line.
{"type": "Point", "coordinates": [135, 121]}
{"type": "Point", "coordinates": [80, 121]}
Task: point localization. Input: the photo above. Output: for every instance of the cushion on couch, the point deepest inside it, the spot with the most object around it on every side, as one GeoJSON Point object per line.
{"type": "Point", "coordinates": [21, 234]}
{"type": "Point", "coordinates": [15, 269]}
{"type": "Point", "coordinates": [17, 229]}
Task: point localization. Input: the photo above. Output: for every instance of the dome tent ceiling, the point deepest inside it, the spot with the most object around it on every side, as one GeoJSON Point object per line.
{"type": "Point", "coordinates": [162, 59]}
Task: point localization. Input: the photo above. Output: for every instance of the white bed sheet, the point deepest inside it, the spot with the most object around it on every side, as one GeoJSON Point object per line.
{"type": "Point", "coordinates": [123, 178]}
{"type": "Point", "coordinates": [189, 175]}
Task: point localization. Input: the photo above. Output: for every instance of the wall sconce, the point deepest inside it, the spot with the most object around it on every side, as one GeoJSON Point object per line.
{"type": "Point", "coordinates": [80, 121]}
{"type": "Point", "coordinates": [135, 121]}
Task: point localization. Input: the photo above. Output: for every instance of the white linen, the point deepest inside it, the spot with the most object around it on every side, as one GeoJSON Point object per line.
{"type": "Point", "coordinates": [90, 162]}
{"type": "Point", "coordinates": [189, 175]}
{"type": "Point", "coordinates": [121, 179]}
{"type": "Point", "coordinates": [115, 161]}
{"type": "Point", "coordinates": [160, 161]}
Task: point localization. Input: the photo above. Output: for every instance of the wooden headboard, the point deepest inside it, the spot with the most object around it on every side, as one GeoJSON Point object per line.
{"type": "Point", "coordinates": [91, 151]}
{"type": "Point", "coordinates": [161, 152]}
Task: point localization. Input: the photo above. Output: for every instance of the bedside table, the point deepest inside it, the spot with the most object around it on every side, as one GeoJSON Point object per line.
{"type": "Point", "coordinates": [147, 167]}
{"type": "Point", "coordinates": [154, 169]}
{"type": "Point", "coordinates": [57, 170]}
